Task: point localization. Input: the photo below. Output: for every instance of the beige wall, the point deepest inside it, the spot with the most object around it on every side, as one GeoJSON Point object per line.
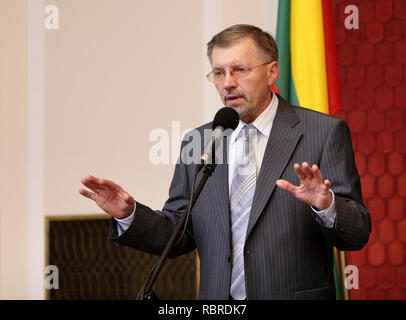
{"type": "Point", "coordinates": [232, 12]}
{"type": "Point", "coordinates": [13, 149]}
{"type": "Point", "coordinates": [84, 99]}
{"type": "Point", "coordinates": [113, 72]}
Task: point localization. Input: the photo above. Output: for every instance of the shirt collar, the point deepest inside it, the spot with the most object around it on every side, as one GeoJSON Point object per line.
{"type": "Point", "coordinates": [263, 122]}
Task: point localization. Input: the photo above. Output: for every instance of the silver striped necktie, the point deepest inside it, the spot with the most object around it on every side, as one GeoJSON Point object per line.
{"type": "Point", "coordinates": [242, 193]}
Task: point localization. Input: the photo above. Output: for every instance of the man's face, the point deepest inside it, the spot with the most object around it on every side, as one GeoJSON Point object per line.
{"type": "Point", "coordinates": [251, 94]}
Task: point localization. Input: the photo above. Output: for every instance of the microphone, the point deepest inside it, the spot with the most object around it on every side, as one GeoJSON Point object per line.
{"type": "Point", "coordinates": [225, 118]}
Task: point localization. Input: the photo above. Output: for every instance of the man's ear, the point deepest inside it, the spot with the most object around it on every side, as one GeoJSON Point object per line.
{"type": "Point", "coordinates": [273, 72]}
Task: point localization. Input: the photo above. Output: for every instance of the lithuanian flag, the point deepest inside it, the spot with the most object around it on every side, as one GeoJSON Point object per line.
{"type": "Point", "coordinates": [308, 70]}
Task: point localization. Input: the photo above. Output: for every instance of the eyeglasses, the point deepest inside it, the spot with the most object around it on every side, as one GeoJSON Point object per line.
{"type": "Point", "coordinates": [218, 75]}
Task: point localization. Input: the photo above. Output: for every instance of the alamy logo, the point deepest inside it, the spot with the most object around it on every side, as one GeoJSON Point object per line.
{"type": "Point", "coordinates": [52, 19]}
{"type": "Point", "coordinates": [52, 280]}
{"type": "Point", "coordinates": [352, 20]}
{"type": "Point", "coordinates": [352, 280]}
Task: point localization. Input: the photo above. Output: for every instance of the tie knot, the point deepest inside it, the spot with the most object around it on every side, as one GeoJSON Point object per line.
{"type": "Point", "coordinates": [249, 127]}
{"type": "Point", "coordinates": [248, 131]}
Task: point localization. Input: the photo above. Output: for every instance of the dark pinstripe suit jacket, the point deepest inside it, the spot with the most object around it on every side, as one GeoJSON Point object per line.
{"type": "Point", "coordinates": [288, 253]}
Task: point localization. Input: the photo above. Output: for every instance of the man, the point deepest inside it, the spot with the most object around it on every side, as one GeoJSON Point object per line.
{"type": "Point", "coordinates": [255, 240]}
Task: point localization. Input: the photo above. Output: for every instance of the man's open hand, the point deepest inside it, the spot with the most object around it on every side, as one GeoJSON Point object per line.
{"type": "Point", "coordinates": [312, 189]}
{"type": "Point", "coordinates": [109, 196]}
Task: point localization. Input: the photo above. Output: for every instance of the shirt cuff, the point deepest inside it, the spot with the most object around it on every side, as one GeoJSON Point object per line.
{"type": "Point", "coordinates": [125, 223]}
{"type": "Point", "coordinates": [327, 217]}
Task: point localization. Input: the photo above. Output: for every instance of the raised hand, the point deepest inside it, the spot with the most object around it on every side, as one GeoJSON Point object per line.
{"type": "Point", "coordinates": [109, 196]}
{"type": "Point", "coordinates": [312, 189]}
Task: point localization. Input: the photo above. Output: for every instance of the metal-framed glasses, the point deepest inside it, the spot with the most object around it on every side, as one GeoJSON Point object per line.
{"type": "Point", "coordinates": [238, 72]}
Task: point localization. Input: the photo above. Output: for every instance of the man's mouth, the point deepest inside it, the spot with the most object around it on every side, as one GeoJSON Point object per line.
{"type": "Point", "coordinates": [233, 98]}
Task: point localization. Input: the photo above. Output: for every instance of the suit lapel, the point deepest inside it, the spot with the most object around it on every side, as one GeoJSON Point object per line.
{"type": "Point", "coordinates": [280, 147]}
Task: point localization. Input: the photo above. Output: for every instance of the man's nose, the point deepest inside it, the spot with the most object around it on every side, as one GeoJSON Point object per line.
{"type": "Point", "coordinates": [229, 81]}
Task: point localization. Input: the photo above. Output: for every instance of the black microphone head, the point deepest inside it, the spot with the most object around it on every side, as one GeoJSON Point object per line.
{"type": "Point", "coordinates": [226, 117]}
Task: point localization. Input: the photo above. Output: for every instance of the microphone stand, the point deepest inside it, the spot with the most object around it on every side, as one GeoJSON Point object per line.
{"type": "Point", "coordinates": [146, 292]}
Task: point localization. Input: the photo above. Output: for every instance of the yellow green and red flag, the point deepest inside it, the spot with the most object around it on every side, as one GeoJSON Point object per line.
{"type": "Point", "coordinates": [308, 67]}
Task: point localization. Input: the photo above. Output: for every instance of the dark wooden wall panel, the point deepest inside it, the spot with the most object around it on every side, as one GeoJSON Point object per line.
{"type": "Point", "coordinates": [93, 267]}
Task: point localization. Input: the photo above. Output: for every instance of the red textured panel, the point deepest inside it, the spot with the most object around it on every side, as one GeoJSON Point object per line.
{"type": "Point", "coordinates": [400, 51]}
{"type": "Point", "coordinates": [384, 10]}
{"type": "Point", "coordinates": [405, 24]}
{"type": "Point", "coordinates": [355, 75]}
{"type": "Point", "coordinates": [377, 78]}
{"type": "Point", "coordinates": [396, 208]}
{"type": "Point", "coordinates": [393, 30]}
{"type": "Point", "coordinates": [376, 119]}
{"type": "Point", "coordinates": [376, 163]}
{"type": "Point", "coordinates": [365, 53]}
{"type": "Point", "coordinates": [360, 161]}
{"type": "Point", "coordinates": [340, 33]}
{"type": "Point", "coordinates": [357, 258]}
{"type": "Point", "coordinates": [400, 96]}
{"type": "Point", "coordinates": [354, 141]}
{"type": "Point", "coordinates": [366, 142]}
{"type": "Point", "coordinates": [356, 120]}
{"type": "Point", "coordinates": [367, 278]}
{"type": "Point", "coordinates": [359, 294]}
{"type": "Point", "coordinates": [349, 98]}
{"type": "Point", "coordinates": [384, 97]}
{"type": "Point", "coordinates": [396, 253]}
{"type": "Point", "coordinates": [400, 9]}
{"type": "Point", "coordinates": [342, 72]}
{"type": "Point", "coordinates": [396, 293]}
{"type": "Point", "coordinates": [401, 276]}
{"type": "Point", "coordinates": [365, 98]}
{"type": "Point", "coordinates": [401, 185]}
{"type": "Point", "coordinates": [346, 54]}
{"type": "Point", "coordinates": [376, 294]}
{"type": "Point", "coordinates": [368, 186]}
{"type": "Point", "coordinates": [384, 52]}
{"type": "Point", "coordinates": [376, 253]}
{"type": "Point", "coordinates": [401, 231]}
{"type": "Point", "coordinates": [393, 74]}
{"type": "Point", "coordinates": [396, 163]}
{"type": "Point", "coordinates": [386, 231]}
{"type": "Point", "coordinates": [377, 208]}
{"type": "Point", "coordinates": [341, 114]}
{"type": "Point", "coordinates": [386, 186]}
{"type": "Point", "coordinates": [373, 236]}
{"type": "Point", "coordinates": [394, 119]}
{"type": "Point", "coordinates": [374, 75]}
{"type": "Point", "coordinates": [375, 31]}
{"type": "Point", "coordinates": [385, 141]}
{"type": "Point", "coordinates": [400, 137]}
{"type": "Point", "coordinates": [405, 117]}
{"type": "Point", "coordinates": [367, 11]}
{"type": "Point", "coordinates": [357, 36]}
{"type": "Point", "coordinates": [386, 277]}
